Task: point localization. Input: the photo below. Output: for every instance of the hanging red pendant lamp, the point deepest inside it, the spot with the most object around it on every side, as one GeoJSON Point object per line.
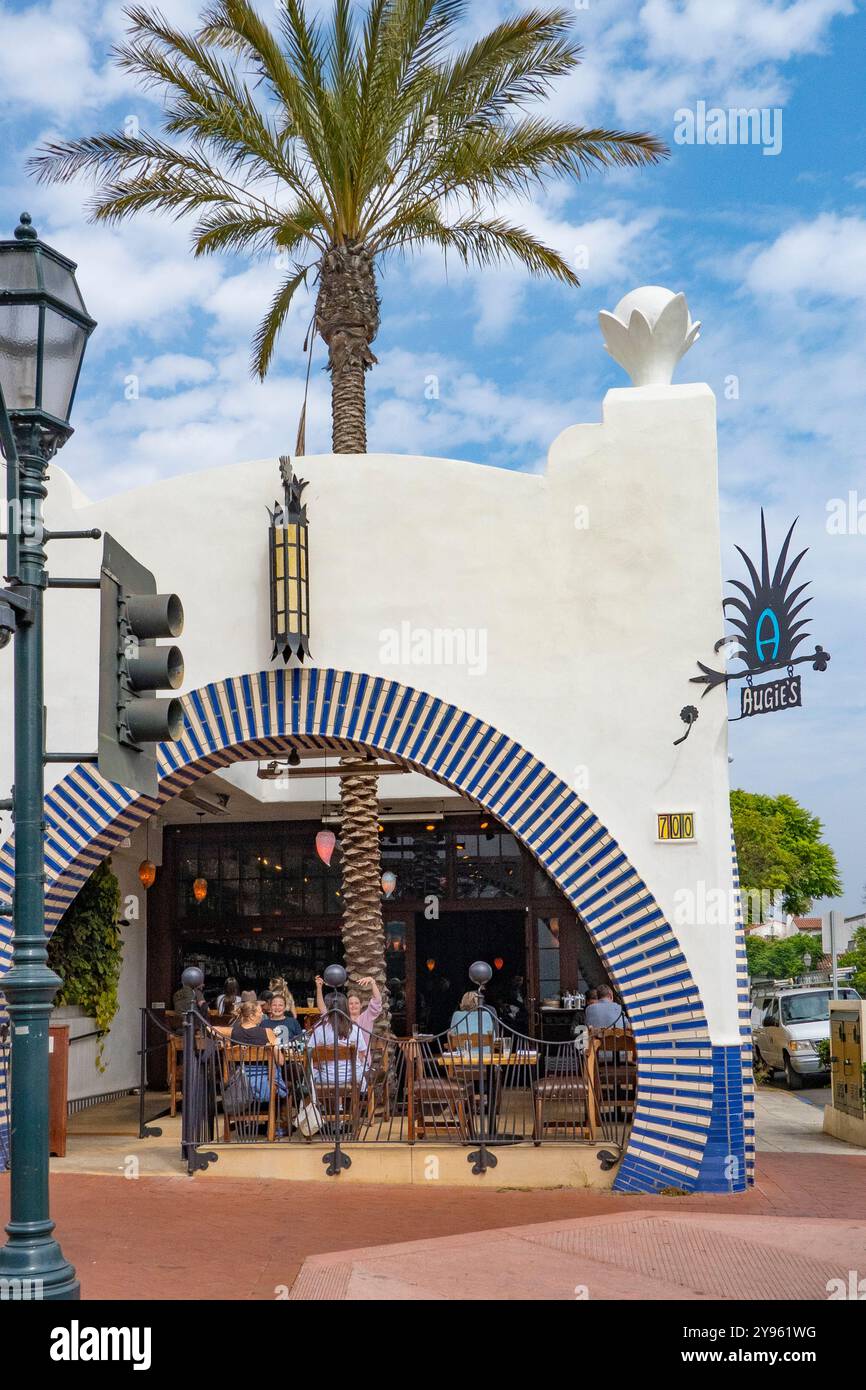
{"type": "Point", "coordinates": [147, 868]}
{"type": "Point", "coordinates": [147, 873]}
{"type": "Point", "coordinates": [498, 962]}
{"type": "Point", "coordinates": [326, 843]}
{"type": "Point", "coordinates": [199, 886]}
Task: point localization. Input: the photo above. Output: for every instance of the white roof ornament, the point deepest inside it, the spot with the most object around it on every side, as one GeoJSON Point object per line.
{"type": "Point", "coordinates": [648, 332]}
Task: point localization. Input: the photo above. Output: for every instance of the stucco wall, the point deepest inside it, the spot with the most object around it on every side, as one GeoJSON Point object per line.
{"type": "Point", "coordinates": [593, 620]}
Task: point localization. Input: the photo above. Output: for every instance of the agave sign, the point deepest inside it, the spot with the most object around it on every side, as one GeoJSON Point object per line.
{"type": "Point", "coordinates": [768, 629]}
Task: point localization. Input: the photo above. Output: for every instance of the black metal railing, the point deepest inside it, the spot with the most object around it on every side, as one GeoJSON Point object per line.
{"type": "Point", "coordinates": [167, 1030]}
{"type": "Point", "coordinates": [342, 1084]}
{"type": "Point", "coordinates": [5, 1091]}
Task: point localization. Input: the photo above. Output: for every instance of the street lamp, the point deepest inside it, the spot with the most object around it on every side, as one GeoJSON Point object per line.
{"type": "Point", "coordinates": [43, 331]}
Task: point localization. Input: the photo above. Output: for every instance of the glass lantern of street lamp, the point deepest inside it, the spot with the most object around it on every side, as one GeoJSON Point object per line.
{"type": "Point", "coordinates": [44, 328]}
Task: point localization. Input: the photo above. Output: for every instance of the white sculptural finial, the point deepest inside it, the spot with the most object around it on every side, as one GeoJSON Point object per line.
{"type": "Point", "coordinates": [648, 332]}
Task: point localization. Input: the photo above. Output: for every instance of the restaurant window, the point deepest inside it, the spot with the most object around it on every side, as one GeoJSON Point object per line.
{"type": "Point", "coordinates": [418, 861]}
{"type": "Point", "coordinates": [255, 961]}
{"type": "Point", "coordinates": [488, 866]}
{"type": "Point", "coordinates": [547, 939]}
{"type": "Point", "coordinates": [395, 970]}
{"type": "Point", "coordinates": [277, 876]}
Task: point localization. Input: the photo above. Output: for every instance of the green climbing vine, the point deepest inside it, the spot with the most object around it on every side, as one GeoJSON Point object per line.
{"type": "Point", "coordinates": [86, 951]}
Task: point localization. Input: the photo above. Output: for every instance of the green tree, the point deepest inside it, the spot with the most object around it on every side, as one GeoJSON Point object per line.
{"type": "Point", "coordinates": [86, 950]}
{"type": "Point", "coordinates": [335, 145]}
{"type": "Point", "coordinates": [780, 849]}
{"type": "Point", "coordinates": [782, 959]}
{"type": "Point", "coordinates": [856, 956]}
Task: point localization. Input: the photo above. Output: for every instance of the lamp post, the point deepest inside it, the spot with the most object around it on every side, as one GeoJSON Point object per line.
{"type": "Point", "coordinates": [43, 331]}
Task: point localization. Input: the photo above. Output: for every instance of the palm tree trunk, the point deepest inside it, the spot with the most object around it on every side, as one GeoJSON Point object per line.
{"type": "Point", "coordinates": [363, 929]}
{"type": "Point", "coordinates": [347, 317]}
{"type": "Point", "coordinates": [349, 410]}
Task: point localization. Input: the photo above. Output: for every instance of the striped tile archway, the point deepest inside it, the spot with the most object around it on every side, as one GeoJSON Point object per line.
{"type": "Point", "coordinates": [688, 1129]}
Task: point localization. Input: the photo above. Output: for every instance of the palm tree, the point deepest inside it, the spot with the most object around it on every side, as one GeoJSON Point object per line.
{"type": "Point", "coordinates": [335, 144]}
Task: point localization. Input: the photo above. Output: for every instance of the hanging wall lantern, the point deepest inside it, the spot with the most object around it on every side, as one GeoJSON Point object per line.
{"type": "Point", "coordinates": [326, 843]}
{"type": "Point", "coordinates": [289, 572]}
{"type": "Point", "coordinates": [431, 964]}
{"type": "Point", "coordinates": [199, 885]}
{"type": "Point", "coordinates": [147, 873]}
{"type": "Point", "coordinates": [389, 882]}
{"type": "Point", "coordinates": [147, 868]}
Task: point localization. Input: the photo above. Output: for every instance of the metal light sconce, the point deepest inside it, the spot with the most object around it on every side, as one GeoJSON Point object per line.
{"type": "Point", "coordinates": [289, 570]}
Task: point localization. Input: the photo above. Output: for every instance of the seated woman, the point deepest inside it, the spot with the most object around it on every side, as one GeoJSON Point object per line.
{"type": "Point", "coordinates": [249, 1030]}
{"type": "Point", "coordinates": [230, 999]}
{"type": "Point", "coordinates": [282, 1022]}
{"type": "Point", "coordinates": [335, 1028]}
{"type": "Point", "coordinates": [364, 1019]}
{"type": "Point", "coordinates": [466, 1020]}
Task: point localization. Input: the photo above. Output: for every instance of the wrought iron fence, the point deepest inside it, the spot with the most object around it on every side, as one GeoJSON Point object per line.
{"type": "Point", "coordinates": [5, 1088]}
{"type": "Point", "coordinates": [342, 1084]}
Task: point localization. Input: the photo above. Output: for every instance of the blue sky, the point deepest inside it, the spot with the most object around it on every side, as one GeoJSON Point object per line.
{"type": "Point", "coordinates": [770, 250]}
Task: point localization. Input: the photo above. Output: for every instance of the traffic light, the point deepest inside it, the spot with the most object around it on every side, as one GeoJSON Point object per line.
{"type": "Point", "coordinates": [132, 668]}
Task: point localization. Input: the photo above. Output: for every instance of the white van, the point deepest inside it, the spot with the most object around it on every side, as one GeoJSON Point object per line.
{"type": "Point", "coordinates": [787, 1024]}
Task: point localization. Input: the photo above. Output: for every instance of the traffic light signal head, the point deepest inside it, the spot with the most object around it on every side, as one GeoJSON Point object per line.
{"type": "Point", "coordinates": [132, 668]}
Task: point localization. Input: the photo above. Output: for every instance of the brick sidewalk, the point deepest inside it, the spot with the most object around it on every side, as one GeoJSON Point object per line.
{"type": "Point", "coordinates": [174, 1238]}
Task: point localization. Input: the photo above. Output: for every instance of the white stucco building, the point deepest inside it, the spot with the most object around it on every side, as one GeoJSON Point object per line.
{"type": "Point", "coordinates": [520, 646]}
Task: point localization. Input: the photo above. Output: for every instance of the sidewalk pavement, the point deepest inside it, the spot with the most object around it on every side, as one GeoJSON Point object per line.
{"type": "Point", "coordinates": [791, 1122]}
{"type": "Point", "coordinates": [158, 1238]}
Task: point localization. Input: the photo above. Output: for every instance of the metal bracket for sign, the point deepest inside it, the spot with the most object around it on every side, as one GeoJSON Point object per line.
{"type": "Point", "coordinates": [688, 715]}
{"type": "Point", "coordinates": [819, 659]}
{"type": "Point", "coordinates": [767, 618]}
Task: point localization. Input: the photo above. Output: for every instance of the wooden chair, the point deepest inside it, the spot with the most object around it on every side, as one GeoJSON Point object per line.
{"type": "Point", "coordinates": [434, 1099]}
{"type": "Point", "coordinates": [236, 1056]}
{"type": "Point", "coordinates": [614, 1054]}
{"type": "Point", "coordinates": [468, 1042]}
{"type": "Point", "coordinates": [378, 1078]}
{"type": "Point", "coordinates": [294, 1073]}
{"type": "Point", "coordinates": [175, 1059]}
{"type": "Point", "coordinates": [570, 1084]}
{"type": "Point", "coordinates": [339, 1101]}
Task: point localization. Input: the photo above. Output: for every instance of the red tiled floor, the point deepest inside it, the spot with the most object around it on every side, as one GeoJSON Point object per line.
{"type": "Point", "coordinates": [176, 1239]}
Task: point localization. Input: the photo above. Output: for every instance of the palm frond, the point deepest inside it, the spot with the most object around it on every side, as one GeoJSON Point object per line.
{"type": "Point", "coordinates": [484, 242]}
{"type": "Point", "coordinates": [268, 331]}
{"type": "Point", "coordinates": [230, 229]}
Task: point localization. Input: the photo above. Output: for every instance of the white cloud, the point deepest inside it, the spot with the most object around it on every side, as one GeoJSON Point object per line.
{"type": "Point", "coordinates": [814, 259]}
{"type": "Point", "coordinates": [732, 36]}
{"type": "Point", "coordinates": [171, 370]}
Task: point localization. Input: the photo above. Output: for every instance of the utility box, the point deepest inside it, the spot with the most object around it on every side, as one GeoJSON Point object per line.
{"type": "Point", "coordinates": [846, 1054]}
{"type": "Point", "coordinates": [845, 1117]}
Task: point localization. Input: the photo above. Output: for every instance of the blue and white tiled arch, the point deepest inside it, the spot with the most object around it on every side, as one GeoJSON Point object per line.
{"type": "Point", "coordinates": [688, 1123]}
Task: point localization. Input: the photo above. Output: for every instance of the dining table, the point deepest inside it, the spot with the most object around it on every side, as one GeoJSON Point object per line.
{"type": "Point", "coordinates": [496, 1066]}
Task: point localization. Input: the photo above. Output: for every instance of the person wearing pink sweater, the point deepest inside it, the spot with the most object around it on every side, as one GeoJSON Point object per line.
{"type": "Point", "coordinates": [362, 1018]}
